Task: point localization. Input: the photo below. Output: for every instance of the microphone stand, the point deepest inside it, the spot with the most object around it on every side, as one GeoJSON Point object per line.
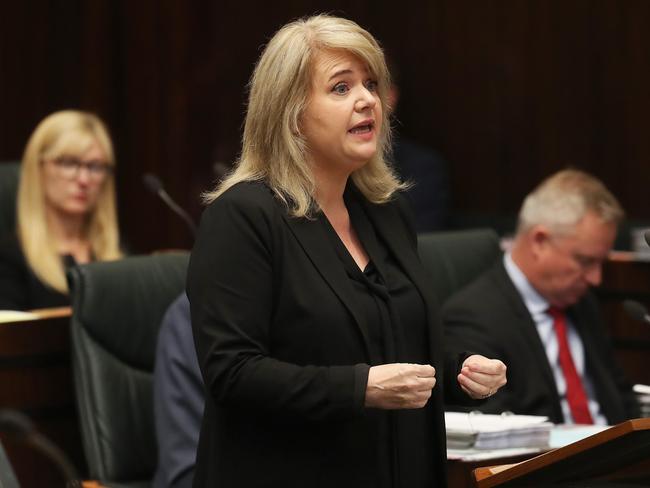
{"type": "Point", "coordinates": [18, 426]}
{"type": "Point", "coordinates": [153, 184]}
{"type": "Point", "coordinates": [636, 310]}
{"type": "Point", "coordinates": [177, 210]}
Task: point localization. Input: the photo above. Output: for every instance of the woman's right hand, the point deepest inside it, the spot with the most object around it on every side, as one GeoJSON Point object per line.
{"type": "Point", "coordinates": [399, 386]}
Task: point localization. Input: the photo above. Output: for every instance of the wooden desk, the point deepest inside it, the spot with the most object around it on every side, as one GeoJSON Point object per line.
{"type": "Point", "coordinates": [461, 473]}
{"type": "Point", "coordinates": [36, 379]}
{"type": "Point", "coordinates": [618, 455]}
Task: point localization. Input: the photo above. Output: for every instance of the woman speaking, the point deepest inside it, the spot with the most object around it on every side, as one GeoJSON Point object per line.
{"type": "Point", "coordinates": [316, 332]}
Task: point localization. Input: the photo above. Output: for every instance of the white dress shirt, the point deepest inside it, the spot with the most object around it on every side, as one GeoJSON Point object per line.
{"type": "Point", "coordinates": [538, 308]}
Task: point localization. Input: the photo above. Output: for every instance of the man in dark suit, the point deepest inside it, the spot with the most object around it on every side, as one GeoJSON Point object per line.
{"type": "Point", "coordinates": [178, 398]}
{"type": "Point", "coordinates": [427, 171]}
{"type": "Point", "coordinates": [430, 192]}
{"type": "Point", "coordinates": [533, 309]}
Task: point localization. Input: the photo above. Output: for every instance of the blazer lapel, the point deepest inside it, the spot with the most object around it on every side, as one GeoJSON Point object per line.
{"type": "Point", "coordinates": [315, 242]}
{"type": "Point", "coordinates": [604, 387]}
{"type": "Point", "coordinates": [526, 325]}
{"type": "Point", "coordinates": [396, 237]}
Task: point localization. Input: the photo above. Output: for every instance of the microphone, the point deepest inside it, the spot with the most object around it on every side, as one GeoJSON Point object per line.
{"type": "Point", "coordinates": [636, 310]}
{"type": "Point", "coordinates": [18, 426]}
{"type": "Point", "coordinates": [154, 185]}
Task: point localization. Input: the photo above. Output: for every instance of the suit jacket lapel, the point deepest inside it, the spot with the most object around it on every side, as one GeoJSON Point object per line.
{"type": "Point", "coordinates": [605, 389]}
{"type": "Point", "coordinates": [526, 325]}
{"type": "Point", "coordinates": [315, 242]}
{"type": "Point", "coordinates": [396, 237]}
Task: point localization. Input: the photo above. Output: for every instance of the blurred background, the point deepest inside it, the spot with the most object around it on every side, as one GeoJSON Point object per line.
{"type": "Point", "coordinates": [508, 91]}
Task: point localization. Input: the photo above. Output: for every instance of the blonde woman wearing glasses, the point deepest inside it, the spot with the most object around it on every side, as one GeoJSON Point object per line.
{"type": "Point", "coordinates": [65, 213]}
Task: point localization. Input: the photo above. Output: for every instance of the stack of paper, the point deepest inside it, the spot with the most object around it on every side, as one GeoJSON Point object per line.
{"type": "Point", "coordinates": [643, 397]}
{"type": "Point", "coordinates": [484, 431]}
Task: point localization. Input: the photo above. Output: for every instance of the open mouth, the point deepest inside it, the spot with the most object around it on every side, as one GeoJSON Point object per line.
{"type": "Point", "coordinates": [362, 128]}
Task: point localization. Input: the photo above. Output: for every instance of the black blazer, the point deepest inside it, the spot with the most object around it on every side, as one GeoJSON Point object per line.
{"type": "Point", "coordinates": [20, 289]}
{"type": "Point", "coordinates": [283, 349]}
{"type": "Point", "coordinates": [491, 318]}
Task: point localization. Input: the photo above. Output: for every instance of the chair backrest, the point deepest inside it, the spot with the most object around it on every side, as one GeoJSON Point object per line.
{"type": "Point", "coordinates": [9, 175]}
{"type": "Point", "coordinates": [117, 310]}
{"type": "Point", "coordinates": [454, 259]}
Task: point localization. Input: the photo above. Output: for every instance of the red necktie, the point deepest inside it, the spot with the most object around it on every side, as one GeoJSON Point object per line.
{"type": "Point", "coordinates": [575, 393]}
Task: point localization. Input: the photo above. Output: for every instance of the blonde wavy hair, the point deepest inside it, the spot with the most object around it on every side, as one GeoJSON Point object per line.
{"type": "Point", "coordinates": [273, 149]}
{"type": "Point", "coordinates": [64, 133]}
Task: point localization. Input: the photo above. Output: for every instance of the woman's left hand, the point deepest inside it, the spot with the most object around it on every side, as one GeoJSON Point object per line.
{"type": "Point", "coordinates": [481, 377]}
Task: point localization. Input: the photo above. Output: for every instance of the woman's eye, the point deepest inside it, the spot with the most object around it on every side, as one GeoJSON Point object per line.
{"type": "Point", "coordinates": [68, 162]}
{"type": "Point", "coordinates": [371, 85]}
{"type": "Point", "coordinates": [340, 88]}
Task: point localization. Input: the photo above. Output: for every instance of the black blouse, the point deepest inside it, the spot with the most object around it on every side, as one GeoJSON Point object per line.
{"type": "Point", "coordinates": [396, 318]}
{"type": "Point", "coordinates": [20, 289]}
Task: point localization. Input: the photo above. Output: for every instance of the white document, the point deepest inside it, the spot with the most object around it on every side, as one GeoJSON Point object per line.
{"type": "Point", "coordinates": [486, 431]}
{"type": "Point", "coordinates": [485, 454]}
{"type": "Point", "coordinates": [641, 389]}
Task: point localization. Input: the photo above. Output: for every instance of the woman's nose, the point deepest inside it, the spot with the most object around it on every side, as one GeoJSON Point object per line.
{"type": "Point", "coordinates": [83, 175]}
{"type": "Point", "coordinates": [366, 99]}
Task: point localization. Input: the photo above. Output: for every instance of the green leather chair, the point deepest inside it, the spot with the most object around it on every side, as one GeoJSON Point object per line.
{"type": "Point", "coordinates": [117, 310]}
{"type": "Point", "coordinates": [454, 259]}
{"type": "Point", "coordinates": [9, 175]}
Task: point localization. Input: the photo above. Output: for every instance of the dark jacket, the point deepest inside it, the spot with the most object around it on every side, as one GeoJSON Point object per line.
{"type": "Point", "coordinates": [20, 289]}
{"type": "Point", "coordinates": [491, 318]}
{"type": "Point", "coordinates": [428, 171]}
{"type": "Point", "coordinates": [283, 351]}
{"type": "Point", "coordinates": [178, 398]}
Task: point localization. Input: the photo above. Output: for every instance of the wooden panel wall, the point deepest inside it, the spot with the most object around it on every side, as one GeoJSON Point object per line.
{"type": "Point", "coordinates": [508, 90]}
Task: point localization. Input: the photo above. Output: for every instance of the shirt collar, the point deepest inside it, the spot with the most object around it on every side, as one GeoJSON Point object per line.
{"type": "Point", "coordinates": [535, 303]}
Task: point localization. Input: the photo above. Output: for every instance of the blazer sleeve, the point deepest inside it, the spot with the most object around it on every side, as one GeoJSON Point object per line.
{"type": "Point", "coordinates": [232, 292]}
{"type": "Point", "coordinates": [178, 398]}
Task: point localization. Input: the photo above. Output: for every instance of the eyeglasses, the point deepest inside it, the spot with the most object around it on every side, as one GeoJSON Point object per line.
{"type": "Point", "coordinates": [69, 167]}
